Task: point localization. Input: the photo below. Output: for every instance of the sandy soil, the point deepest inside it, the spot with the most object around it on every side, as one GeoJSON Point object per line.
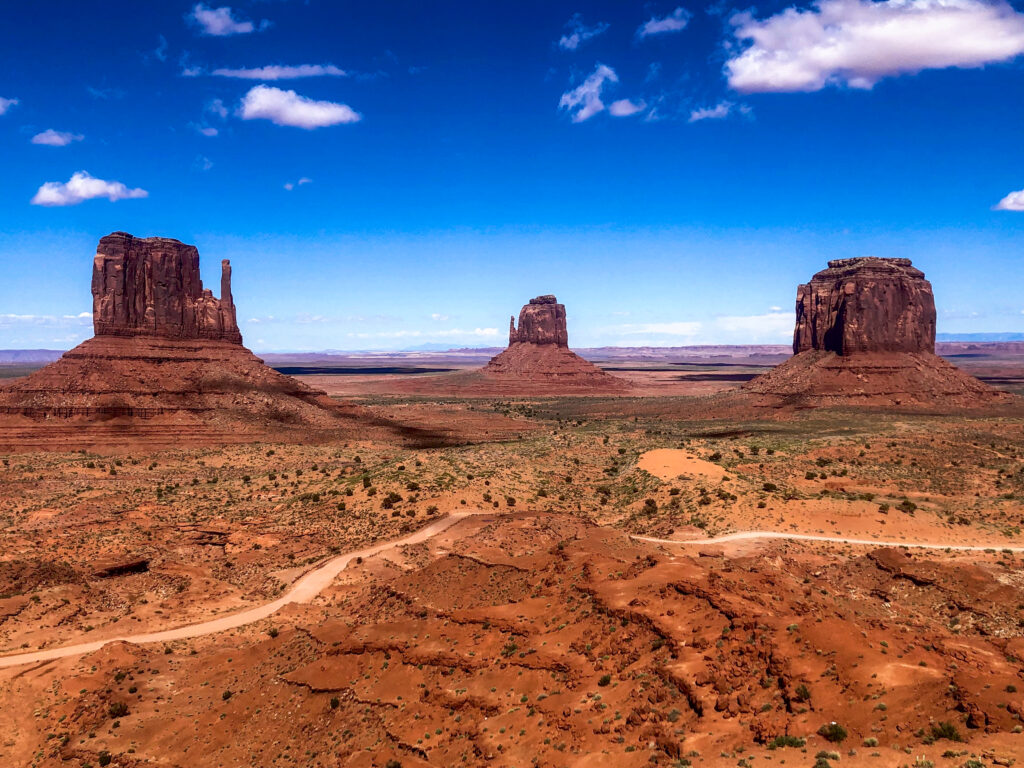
{"type": "Point", "coordinates": [638, 585]}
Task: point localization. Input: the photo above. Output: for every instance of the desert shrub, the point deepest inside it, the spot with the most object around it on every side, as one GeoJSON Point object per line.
{"type": "Point", "coordinates": [870, 741]}
{"type": "Point", "coordinates": [802, 693]}
{"type": "Point", "coordinates": [946, 730]}
{"type": "Point", "coordinates": [716, 456]}
{"type": "Point", "coordinates": [833, 732]}
{"type": "Point", "coordinates": [366, 481]}
{"type": "Point", "coordinates": [390, 500]}
{"type": "Point", "coordinates": [118, 709]}
{"type": "Point", "coordinates": [811, 476]}
{"type": "Point", "coordinates": [786, 741]}
{"type": "Point", "coordinates": [605, 680]}
{"type": "Point", "coordinates": [103, 758]}
{"type": "Point", "coordinates": [335, 702]}
{"type": "Point", "coordinates": [650, 506]}
{"type": "Point", "coordinates": [907, 506]}
{"type": "Point", "coordinates": [273, 632]}
{"type": "Point", "coordinates": [769, 487]}
{"type": "Point", "coordinates": [510, 501]}
{"type": "Point", "coordinates": [226, 695]}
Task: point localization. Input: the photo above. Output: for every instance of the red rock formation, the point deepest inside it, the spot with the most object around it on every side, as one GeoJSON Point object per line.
{"type": "Point", "coordinates": [538, 354]}
{"type": "Point", "coordinates": [151, 287]}
{"type": "Point", "coordinates": [166, 366]}
{"type": "Point", "coordinates": [542, 321]}
{"type": "Point", "coordinates": [866, 305]}
{"type": "Point", "coordinates": [865, 334]}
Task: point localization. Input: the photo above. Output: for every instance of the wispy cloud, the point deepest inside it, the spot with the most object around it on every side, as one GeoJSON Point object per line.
{"type": "Point", "coordinates": [625, 108]}
{"type": "Point", "coordinates": [282, 72]}
{"type": "Point", "coordinates": [1012, 202]}
{"type": "Point", "coordinates": [578, 33]}
{"type": "Point", "coordinates": [584, 101]}
{"type": "Point", "coordinates": [418, 334]}
{"type": "Point", "coordinates": [161, 50]}
{"type": "Point", "coordinates": [858, 42]}
{"type": "Point", "coordinates": [719, 111]}
{"type": "Point", "coordinates": [289, 108]}
{"type": "Point", "coordinates": [81, 187]}
{"type": "Point", "coordinates": [770, 327]}
{"type": "Point", "coordinates": [6, 104]}
{"type": "Point", "coordinates": [52, 138]}
{"type": "Point", "coordinates": [293, 184]}
{"type": "Point", "coordinates": [674, 22]}
{"type": "Point", "coordinates": [221, 22]}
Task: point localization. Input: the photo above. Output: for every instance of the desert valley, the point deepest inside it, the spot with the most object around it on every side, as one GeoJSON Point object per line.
{"type": "Point", "coordinates": [678, 557]}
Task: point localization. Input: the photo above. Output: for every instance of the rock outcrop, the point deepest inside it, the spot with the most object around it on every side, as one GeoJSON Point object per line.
{"type": "Point", "coordinates": [542, 321]}
{"type": "Point", "coordinates": [151, 287]}
{"type": "Point", "coordinates": [166, 366]}
{"type": "Point", "coordinates": [865, 335]}
{"type": "Point", "coordinates": [865, 305]}
{"type": "Point", "coordinates": [538, 354]}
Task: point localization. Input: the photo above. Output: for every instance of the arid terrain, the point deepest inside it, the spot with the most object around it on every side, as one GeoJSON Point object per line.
{"type": "Point", "coordinates": [564, 608]}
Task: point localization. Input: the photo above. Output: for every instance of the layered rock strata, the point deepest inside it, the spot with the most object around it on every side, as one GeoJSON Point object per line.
{"type": "Point", "coordinates": [865, 334]}
{"type": "Point", "coordinates": [538, 351]}
{"type": "Point", "coordinates": [167, 359]}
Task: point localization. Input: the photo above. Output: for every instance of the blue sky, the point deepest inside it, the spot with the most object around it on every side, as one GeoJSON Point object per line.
{"type": "Point", "coordinates": [385, 175]}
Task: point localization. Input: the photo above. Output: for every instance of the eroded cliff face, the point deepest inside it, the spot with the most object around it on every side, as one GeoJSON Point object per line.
{"type": "Point", "coordinates": [865, 305]}
{"type": "Point", "coordinates": [151, 287]}
{"type": "Point", "coordinates": [542, 321]}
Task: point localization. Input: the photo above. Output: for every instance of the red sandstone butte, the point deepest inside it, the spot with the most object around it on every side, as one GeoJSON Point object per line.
{"type": "Point", "coordinates": [151, 287]}
{"type": "Point", "coordinates": [538, 351]}
{"type": "Point", "coordinates": [166, 365]}
{"type": "Point", "coordinates": [865, 334]}
{"type": "Point", "coordinates": [866, 305]}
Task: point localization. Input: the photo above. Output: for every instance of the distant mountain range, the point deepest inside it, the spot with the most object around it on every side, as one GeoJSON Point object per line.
{"type": "Point", "coordinates": [979, 337]}
{"type": "Point", "coordinates": [28, 356]}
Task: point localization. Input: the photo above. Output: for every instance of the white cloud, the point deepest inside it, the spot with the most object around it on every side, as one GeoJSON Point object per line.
{"type": "Point", "coordinates": [292, 185]}
{"type": "Point", "coordinates": [288, 108]}
{"type": "Point", "coordinates": [584, 101]}
{"type": "Point", "coordinates": [52, 138]}
{"type": "Point", "coordinates": [81, 187]}
{"type": "Point", "coordinates": [161, 49]}
{"type": "Point", "coordinates": [216, 107]}
{"type": "Point", "coordinates": [579, 33]}
{"type": "Point", "coordinates": [203, 163]}
{"type": "Point", "coordinates": [1012, 202]}
{"type": "Point", "coordinates": [281, 72]}
{"type": "Point", "coordinates": [207, 130]}
{"type": "Point", "coordinates": [859, 42]}
{"type": "Point", "coordinates": [774, 327]}
{"type": "Point", "coordinates": [758, 328]}
{"type": "Point", "coordinates": [221, 22]}
{"type": "Point", "coordinates": [6, 104]}
{"type": "Point", "coordinates": [416, 334]}
{"type": "Point", "coordinates": [717, 112]}
{"type": "Point", "coordinates": [625, 108]}
{"type": "Point", "coordinates": [439, 317]}
{"type": "Point", "coordinates": [674, 22]}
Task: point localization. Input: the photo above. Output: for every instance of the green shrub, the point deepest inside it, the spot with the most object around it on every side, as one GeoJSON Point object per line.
{"type": "Point", "coordinates": [833, 732]}
{"type": "Point", "coordinates": [786, 741]}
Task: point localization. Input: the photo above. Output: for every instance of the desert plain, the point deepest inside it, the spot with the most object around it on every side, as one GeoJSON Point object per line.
{"type": "Point", "coordinates": [727, 556]}
{"type": "Point", "coordinates": [579, 602]}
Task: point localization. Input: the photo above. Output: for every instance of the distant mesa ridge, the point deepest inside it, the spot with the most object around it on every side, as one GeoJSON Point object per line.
{"type": "Point", "coordinates": [151, 287]}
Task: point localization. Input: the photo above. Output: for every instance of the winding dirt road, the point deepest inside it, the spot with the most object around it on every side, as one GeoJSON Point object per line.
{"type": "Point", "coordinates": [305, 588]}
{"type": "Point", "coordinates": [746, 535]}
{"type": "Point", "coordinates": [315, 581]}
